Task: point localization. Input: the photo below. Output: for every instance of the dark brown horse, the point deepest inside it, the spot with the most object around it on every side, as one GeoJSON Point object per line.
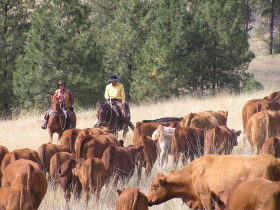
{"type": "Point", "coordinates": [110, 116]}
{"type": "Point", "coordinates": [57, 120]}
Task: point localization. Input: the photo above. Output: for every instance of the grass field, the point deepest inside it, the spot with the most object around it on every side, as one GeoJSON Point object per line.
{"type": "Point", "coordinates": [25, 132]}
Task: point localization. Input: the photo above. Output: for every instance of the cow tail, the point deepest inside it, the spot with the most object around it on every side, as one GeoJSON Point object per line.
{"type": "Point", "coordinates": [71, 141]}
{"type": "Point", "coordinates": [189, 119]}
{"type": "Point", "coordinates": [91, 174]}
{"type": "Point", "coordinates": [43, 155]}
{"type": "Point", "coordinates": [216, 149]}
{"type": "Point", "coordinates": [135, 200]}
{"type": "Point", "coordinates": [80, 147]}
{"type": "Point", "coordinates": [21, 198]}
{"type": "Point", "coordinates": [65, 169]}
{"type": "Point", "coordinates": [268, 131]}
{"type": "Point", "coordinates": [30, 170]}
{"type": "Point", "coordinates": [54, 171]}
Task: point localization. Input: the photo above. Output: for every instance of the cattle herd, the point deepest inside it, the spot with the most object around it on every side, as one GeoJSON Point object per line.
{"type": "Point", "coordinates": [85, 161]}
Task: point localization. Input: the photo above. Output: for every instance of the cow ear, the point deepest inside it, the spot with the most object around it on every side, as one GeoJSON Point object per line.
{"type": "Point", "coordinates": [162, 182]}
{"type": "Point", "coordinates": [139, 149]}
{"type": "Point", "coordinates": [238, 133]}
{"type": "Point", "coordinates": [119, 191]}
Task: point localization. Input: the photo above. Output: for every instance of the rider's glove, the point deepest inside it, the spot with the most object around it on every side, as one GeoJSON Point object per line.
{"type": "Point", "coordinates": [68, 106]}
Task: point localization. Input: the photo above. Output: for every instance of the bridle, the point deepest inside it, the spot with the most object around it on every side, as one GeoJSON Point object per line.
{"type": "Point", "coordinates": [55, 113]}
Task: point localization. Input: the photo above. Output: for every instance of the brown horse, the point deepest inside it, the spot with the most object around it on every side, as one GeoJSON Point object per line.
{"type": "Point", "coordinates": [57, 120]}
{"type": "Point", "coordinates": [110, 116]}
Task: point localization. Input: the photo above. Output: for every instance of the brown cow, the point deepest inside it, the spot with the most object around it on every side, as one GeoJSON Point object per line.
{"type": "Point", "coordinates": [272, 146]}
{"type": "Point", "coordinates": [68, 181]}
{"type": "Point", "coordinates": [15, 198]}
{"type": "Point", "coordinates": [220, 140]}
{"type": "Point", "coordinates": [217, 173]}
{"type": "Point", "coordinates": [93, 131]}
{"type": "Point", "coordinates": [205, 120]}
{"type": "Point", "coordinates": [148, 156]}
{"type": "Point", "coordinates": [250, 194]}
{"type": "Point", "coordinates": [257, 105]}
{"type": "Point", "coordinates": [46, 151]}
{"type": "Point", "coordinates": [261, 126]}
{"type": "Point", "coordinates": [149, 128]}
{"type": "Point", "coordinates": [92, 174]}
{"type": "Point", "coordinates": [189, 141]}
{"type": "Point", "coordinates": [56, 161]}
{"type": "Point", "coordinates": [69, 137]}
{"type": "Point", "coordinates": [28, 174]}
{"type": "Point", "coordinates": [28, 154]}
{"type": "Point", "coordinates": [94, 145]}
{"type": "Point", "coordinates": [131, 199]}
{"type": "Point", "coordinates": [120, 160]}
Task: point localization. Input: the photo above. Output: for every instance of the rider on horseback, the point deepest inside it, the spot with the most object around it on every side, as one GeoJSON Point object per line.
{"type": "Point", "coordinates": [66, 98]}
{"type": "Point", "coordinates": [115, 93]}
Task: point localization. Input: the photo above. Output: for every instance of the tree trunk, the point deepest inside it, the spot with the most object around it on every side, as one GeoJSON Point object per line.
{"type": "Point", "coordinates": [272, 27]}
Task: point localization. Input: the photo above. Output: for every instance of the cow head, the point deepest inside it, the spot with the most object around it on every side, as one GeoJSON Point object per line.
{"type": "Point", "coordinates": [234, 135]}
{"type": "Point", "coordinates": [158, 192]}
{"type": "Point", "coordinates": [77, 169]}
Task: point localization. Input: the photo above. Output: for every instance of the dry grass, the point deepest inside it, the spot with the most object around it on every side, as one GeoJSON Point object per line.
{"type": "Point", "coordinates": [25, 132]}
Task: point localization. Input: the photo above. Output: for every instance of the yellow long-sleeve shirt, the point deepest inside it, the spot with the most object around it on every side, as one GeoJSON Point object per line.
{"type": "Point", "coordinates": [116, 92]}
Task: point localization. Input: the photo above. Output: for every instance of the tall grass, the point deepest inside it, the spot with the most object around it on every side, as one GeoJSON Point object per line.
{"type": "Point", "coordinates": [25, 132]}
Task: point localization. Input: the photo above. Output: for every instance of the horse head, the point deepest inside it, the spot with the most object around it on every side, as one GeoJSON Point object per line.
{"type": "Point", "coordinates": [103, 111]}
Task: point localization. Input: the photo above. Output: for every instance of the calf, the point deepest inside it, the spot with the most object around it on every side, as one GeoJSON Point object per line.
{"type": "Point", "coordinates": [220, 140]}
{"type": "Point", "coordinates": [148, 156]}
{"type": "Point", "coordinates": [120, 160]}
{"type": "Point", "coordinates": [188, 141]}
{"type": "Point", "coordinates": [27, 174]}
{"type": "Point", "coordinates": [253, 194]}
{"type": "Point", "coordinates": [164, 137]}
{"type": "Point", "coordinates": [131, 199]}
{"type": "Point", "coordinates": [68, 181]}
{"type": "Point", "coordinates": [15, 198]}
{"type": "Point", "coordinates": [92, 174]}
{"type": "Point", "coordinates": [56, 161]}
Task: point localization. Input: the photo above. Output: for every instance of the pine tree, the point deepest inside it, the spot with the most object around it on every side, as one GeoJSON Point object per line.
{"type": "Point", "coordinates": [60, 47]}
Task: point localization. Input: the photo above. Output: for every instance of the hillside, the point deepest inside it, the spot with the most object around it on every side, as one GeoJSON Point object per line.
{"type": "Point", "coordinates": [267, 70]}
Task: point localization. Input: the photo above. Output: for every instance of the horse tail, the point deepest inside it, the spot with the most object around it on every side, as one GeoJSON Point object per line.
{"type": "Point", "coordinates": [79, 148]}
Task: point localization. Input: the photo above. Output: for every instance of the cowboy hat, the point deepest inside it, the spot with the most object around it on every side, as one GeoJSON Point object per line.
{"type": "Point", "coordinates": [113, 77]}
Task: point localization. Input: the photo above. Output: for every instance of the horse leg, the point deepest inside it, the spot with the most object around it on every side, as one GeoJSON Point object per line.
{"type": "Point", "coordinates": [51, 135]}
{"type": "Point", "coordinates": [131, 125]}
